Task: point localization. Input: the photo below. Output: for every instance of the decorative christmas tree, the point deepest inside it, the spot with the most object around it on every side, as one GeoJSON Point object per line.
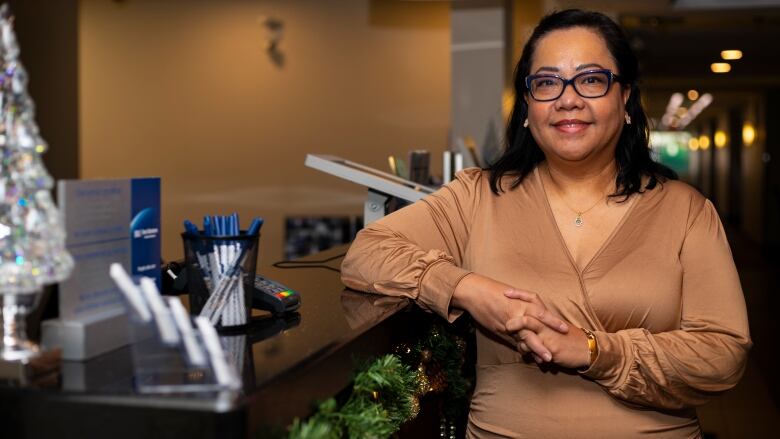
{"type": "Point", "coordinates": [32, 237]}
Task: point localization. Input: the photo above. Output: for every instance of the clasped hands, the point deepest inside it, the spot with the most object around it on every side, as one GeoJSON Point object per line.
{"type": "Point", "coordinates": [522, 319]}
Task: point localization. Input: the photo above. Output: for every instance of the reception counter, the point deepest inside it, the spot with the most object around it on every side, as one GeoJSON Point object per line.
{"type": "Point", "coordinates": [286, 364]}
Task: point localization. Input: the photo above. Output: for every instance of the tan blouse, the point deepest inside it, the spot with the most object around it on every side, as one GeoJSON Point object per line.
{"type": "Point", "coordinates": [662, 296]}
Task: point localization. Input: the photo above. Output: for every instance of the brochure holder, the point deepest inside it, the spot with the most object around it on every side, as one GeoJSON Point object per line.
{"type": "Point", "coordinates": [170, 354]}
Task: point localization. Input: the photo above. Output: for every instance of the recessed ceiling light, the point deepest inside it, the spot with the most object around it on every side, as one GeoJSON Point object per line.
{"type": "Point", "coordinates": [720, 67]}
{"type": "Point", "coordinates": [731, 54]}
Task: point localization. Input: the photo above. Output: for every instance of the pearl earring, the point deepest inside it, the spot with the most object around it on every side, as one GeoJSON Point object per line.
{"type": "Point", "coordinates": [628, 119]}
{"type": "Point", "coordinates": [525, 123]}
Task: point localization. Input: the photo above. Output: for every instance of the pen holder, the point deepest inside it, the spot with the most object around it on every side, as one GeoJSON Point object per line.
{"type": "Point", "coordinates": [220, 277]}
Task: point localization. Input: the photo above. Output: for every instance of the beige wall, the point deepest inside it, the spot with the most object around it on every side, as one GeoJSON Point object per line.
{"type": "Point", "coordinates": [47, 35]}
{"type": "Point", "coordinates": [185, 91]}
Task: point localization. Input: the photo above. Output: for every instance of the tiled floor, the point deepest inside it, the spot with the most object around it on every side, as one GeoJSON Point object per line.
{"type": "Point", "coordinates": [751, 410]}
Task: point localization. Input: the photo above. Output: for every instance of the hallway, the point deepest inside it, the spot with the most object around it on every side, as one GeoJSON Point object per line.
{"type": "Point", "coordinates": [751, 410]}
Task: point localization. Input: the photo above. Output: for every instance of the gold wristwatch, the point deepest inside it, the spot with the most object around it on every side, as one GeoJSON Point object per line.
{"type": "Point", "coordinates": [593, 346]}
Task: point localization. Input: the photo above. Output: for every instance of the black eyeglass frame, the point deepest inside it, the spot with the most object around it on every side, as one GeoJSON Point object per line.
{"type": "Point", "coordinates": [611, 78]}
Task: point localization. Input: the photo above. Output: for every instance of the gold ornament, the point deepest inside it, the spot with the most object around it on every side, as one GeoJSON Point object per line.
{"type": "Point", "coordinates": [423, 384]}
{"type": "Point", "coordinates": [437, 378]}
{"type": "Point", "coordinates": [404, 352]}
{"type": "Point", "coordinates": [415, 406]}
{"type": "Point", "coordinates": [403, 349]}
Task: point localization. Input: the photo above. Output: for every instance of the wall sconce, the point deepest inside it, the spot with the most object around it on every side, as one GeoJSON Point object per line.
{"type": "Point", "coordinates": [720, 139]}
{"type": "Point", "coordinates": [748, 134]}
{"type": "Point", "coordinates": [704, 142]}
{"type": "Point", "coordinates": [274, 29]}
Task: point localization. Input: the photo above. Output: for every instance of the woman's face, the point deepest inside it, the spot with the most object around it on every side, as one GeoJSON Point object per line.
{"type": "Point", "coordinates": [573, 128]}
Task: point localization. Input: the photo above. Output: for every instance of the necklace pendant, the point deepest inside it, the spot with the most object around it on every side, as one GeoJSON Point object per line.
{"type": "Point", "coordinates": [578, 220]}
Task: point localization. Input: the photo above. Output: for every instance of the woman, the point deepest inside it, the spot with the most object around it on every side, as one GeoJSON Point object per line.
{"type": "Point", "coordinates": [606, 299]}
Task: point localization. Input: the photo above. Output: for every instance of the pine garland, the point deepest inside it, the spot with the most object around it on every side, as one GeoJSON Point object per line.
{"type": "Point", "coordinates": [380, 402]}
{"type": "Point", "coordinates": [385, 393]}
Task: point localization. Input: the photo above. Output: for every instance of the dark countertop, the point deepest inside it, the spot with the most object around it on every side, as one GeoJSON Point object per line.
{"type": "Point", "coordinates": [294, 362]}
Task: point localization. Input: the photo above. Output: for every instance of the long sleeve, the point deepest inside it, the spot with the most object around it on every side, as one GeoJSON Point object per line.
{"type": "Point", "coordinates": [417, 252]}
{"type": "Point", "coordinates": [707, 355]}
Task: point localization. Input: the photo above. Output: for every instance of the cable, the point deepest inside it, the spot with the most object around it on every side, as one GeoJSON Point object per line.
{"type": "Point", "coordinates": [309, 264]}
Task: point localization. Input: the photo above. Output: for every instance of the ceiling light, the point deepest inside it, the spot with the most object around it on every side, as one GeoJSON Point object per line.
{"type": "Point", "coordinates": [720, 67]}
{"type": "Point", "coordinates": [693, 95]}
{"type": "Point", "coordinates": [706, 99]}
{"type": "Point", "coordinates": [696, 108]}
{"type": "Point", "coordinates": [731, 54]}
{"type": "Point", "coordinates": [668, 119]}
{"type": "Point", "coordinates": [720, 139]}
{"type": "Point", "coordinates": [674, 101]}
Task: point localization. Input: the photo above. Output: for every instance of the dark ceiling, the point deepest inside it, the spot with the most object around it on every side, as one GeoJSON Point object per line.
{"type": "Point", "coordinates": [679, 47]}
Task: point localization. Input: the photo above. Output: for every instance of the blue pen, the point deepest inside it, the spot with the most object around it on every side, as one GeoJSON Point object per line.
{"type": "Point", "coordinates": [206, 226]}
{"type": "Point", "coordinates": [198, 247]}
{"type": "Point", "coordinates": [190, 228]}
{"type": "Point", "coordinates": [253, 227]}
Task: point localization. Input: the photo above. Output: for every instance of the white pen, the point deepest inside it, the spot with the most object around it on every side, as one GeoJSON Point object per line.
{"type": "Point", "coordinates": [203, 261]}
{"type": "Point", "coordinates": [214, 305]}
{"type": "Point", "coordinates": [130, 290]}
{"type": "Point", "coordinates": [214, 267]}
{"type": "Point", "coordinates": [241, 303]}
{"type": "Point", "coordinates": [182, 319]}
{"type": "Point", "coordinates": [221, 368]}
{"type": "Point", "coordinates": [223, 257]}
{"type": "Point", "coordinates": [216, 301]}
{"type": "Point", "coordinates": [162, 314]}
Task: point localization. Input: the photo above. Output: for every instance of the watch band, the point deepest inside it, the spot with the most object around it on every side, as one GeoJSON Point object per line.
{"type": "Point", "coordinates": [593, 346]}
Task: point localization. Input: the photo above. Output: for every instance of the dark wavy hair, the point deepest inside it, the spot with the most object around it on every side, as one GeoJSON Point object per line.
{"type": "Point", "coordinates": [632, 154]}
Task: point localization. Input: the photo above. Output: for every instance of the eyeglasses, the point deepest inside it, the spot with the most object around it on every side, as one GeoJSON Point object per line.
{"type": "Point", "coordinates": [589, 84]}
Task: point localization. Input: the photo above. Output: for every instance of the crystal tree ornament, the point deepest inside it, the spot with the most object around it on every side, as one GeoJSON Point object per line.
{"type": "Point", "coordinates": [32, 236]}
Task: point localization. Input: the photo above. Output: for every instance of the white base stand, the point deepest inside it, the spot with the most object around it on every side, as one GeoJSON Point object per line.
{"type": "Point", "coordinates": [86, 338]}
